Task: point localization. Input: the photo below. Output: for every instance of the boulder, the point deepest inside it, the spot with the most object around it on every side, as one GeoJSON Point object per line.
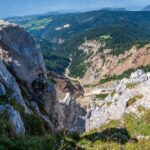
{"type": "Point", "coordinates": [148, 76]}
{"type": "Point", "coordinates": [121, 86]}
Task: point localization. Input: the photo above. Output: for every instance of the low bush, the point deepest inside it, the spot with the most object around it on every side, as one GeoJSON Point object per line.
{"type": "Point", "coordinates": [131, 85]}
{"type": "Point", "coordinates": [101, 96]}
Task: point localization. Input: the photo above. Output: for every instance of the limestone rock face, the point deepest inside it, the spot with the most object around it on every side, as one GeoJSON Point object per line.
{"type": "Point", "coordinates": [22, 71]}
{"type": "Point", "coordinates": [129, 95]}
{"type": "Point", "coordinates": [21, 68]}
{"type": "Point", "coordinates": [16, 121]}
{"type": "Point", "coordinates": [68, 112]}
{"type": "Point", "coordinates": [96, 116]}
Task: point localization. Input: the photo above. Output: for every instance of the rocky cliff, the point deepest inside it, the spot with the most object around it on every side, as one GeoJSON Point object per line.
{"type": "Point", "coordinates": [128, 96]}
{"type": "Point", "coordinates": [26, 91]}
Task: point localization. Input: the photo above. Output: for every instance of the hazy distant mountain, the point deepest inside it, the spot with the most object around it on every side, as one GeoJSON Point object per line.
{"type": "Point", "coordinates": [114, 9]}
{"type": "Point", "coordinates": [147, 8]}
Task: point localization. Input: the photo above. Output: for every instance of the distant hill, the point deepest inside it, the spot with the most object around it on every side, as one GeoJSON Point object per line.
{"type": "Point", "coordinates": [114, 9]}
{"type": "Point", "coordinates": [147, 8]}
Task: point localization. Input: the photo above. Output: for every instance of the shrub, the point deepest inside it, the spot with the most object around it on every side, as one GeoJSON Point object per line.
{"type": "Point", "coordinates": [33, 124]}
{"type": "Point", "coordinates": [48, 142]}
{"type": "Point", "coordinates": [101, 96]}
{"type": "Point", "coordinates": [131, 101]}
{"type": "Point", "coordinates": [141, 109]}
{"type": "Point", "coordinates": [113, 93]}
{"type": "Point", "coordinates": [4, 124]}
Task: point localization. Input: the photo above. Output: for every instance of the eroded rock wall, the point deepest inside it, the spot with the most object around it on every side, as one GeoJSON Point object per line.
{"type": "Point", "coordinates": [23, 75]}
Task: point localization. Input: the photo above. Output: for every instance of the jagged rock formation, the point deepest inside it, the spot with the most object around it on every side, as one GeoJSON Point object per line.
{"type": "Point", "coordinates": [23, 75]}
{"type": "Point", "coordinates": [129, 96]}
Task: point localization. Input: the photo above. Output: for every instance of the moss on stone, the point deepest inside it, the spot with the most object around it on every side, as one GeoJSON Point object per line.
{"type": "Point", "coordinates": [131, 85]}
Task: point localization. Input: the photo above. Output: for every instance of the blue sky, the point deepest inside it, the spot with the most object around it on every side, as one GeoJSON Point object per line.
{"type": "Point", "coordinates": [27, 7]}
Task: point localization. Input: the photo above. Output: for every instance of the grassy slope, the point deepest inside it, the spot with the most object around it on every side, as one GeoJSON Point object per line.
{"type": "Point", "coordinates": [115, 135]}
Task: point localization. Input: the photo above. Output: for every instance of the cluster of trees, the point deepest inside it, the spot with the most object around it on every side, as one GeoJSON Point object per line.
{"type": "Point", "coordinates": [125, 74]}
{"type": "Point", "coordinates": [55, 63]}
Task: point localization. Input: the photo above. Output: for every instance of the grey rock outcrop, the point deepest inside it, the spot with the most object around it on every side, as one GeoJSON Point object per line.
{"type": "Point", "coordinates": [96, 116]}
{"type": "Point", "coordinates": [22, 71]}
{"type": "Point", "coordinates": [70, 115]}
{"type": "Point", "coordinates": [21, 60]}
{"type": "Point", "coordinates": [66, 113]}
{"type": "Point", "coordinates": [17, 125]}
{"type": "Point", "coordinates": [118, 103]}
{"type": "Point", "coordinates": [45, 118]}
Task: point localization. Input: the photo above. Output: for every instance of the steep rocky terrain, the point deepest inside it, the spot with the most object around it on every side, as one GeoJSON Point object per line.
{"type": "Point", "coordinates": [26, 91]}
{"type": "Point", "coordinates": [147, 8]}
{"type": "Point", "coordinates": [128, 96]}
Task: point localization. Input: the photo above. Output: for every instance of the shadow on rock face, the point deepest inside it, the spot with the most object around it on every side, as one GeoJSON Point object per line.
{"type": "Point", "coordinates": [118, 135]}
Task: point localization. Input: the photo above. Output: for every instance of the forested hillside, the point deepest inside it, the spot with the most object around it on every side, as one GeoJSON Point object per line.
{"type": "Point", "coordinates": [60, 35]}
